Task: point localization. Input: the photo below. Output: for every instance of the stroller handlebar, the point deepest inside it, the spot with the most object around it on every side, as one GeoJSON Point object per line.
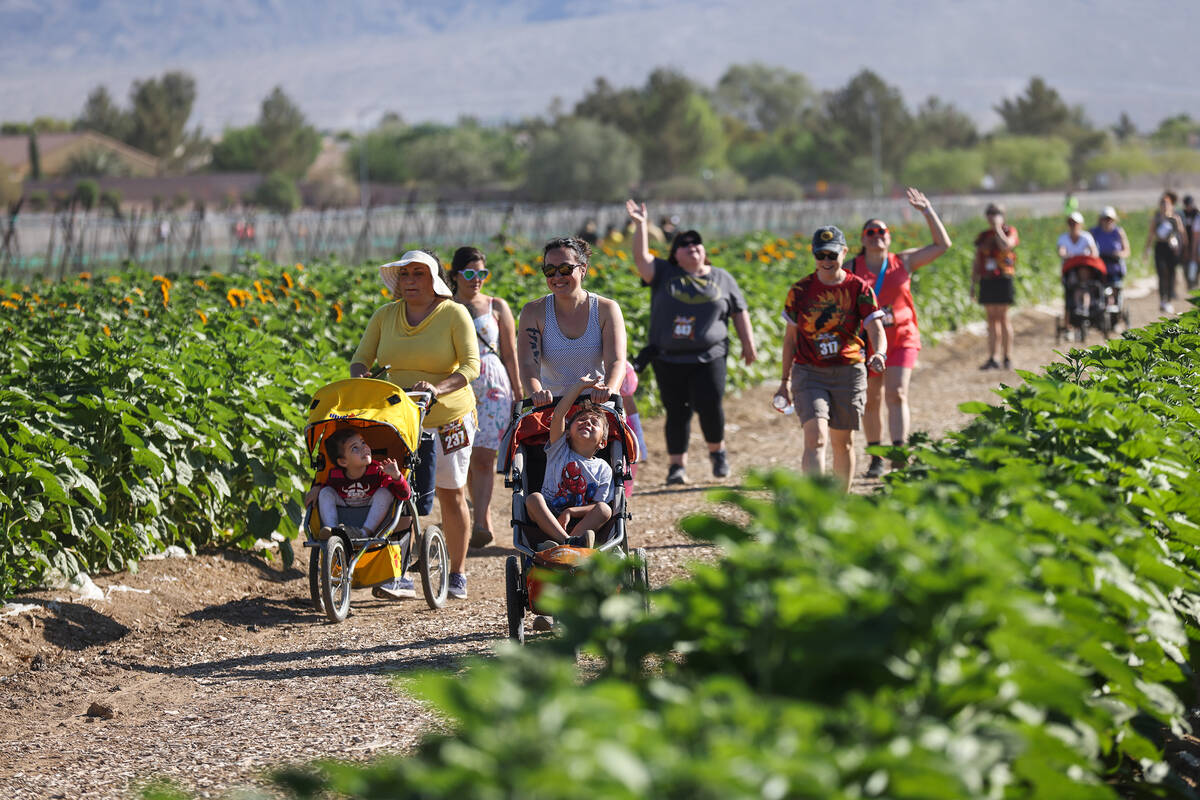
{"type": "Point", "coordinates": [615, 399]}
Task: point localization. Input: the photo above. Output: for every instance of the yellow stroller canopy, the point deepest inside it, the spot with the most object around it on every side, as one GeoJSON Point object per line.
{"type": "Point", "coordinates": [364, 403]}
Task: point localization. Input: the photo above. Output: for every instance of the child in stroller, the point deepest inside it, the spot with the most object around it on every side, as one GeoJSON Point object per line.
{"type": "Point", "coordinates": [356, 481]}
{"type": "Point", "coordinates": [526, 462]}
{"type": "Point", "coordinates": [577, 485]}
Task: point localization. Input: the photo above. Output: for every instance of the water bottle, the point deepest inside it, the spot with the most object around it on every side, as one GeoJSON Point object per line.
{"type": "Point", "coordinates": [782, 405]}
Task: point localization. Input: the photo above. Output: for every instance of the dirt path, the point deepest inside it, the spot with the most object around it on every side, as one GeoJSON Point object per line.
{"type": "Point", "coordinates": [216, 668]}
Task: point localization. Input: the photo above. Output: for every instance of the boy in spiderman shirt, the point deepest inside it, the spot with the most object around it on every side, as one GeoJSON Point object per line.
{"type": "Point", "coordinates": [577, 485]}
{"type": "Point", "coordinates": [356, 481]}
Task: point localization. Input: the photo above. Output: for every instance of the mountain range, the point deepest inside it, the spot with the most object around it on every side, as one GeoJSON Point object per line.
{"type": "Point", "coordinates": [346, 64]}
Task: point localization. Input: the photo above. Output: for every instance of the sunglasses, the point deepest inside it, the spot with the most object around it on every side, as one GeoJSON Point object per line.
{"type": "Point", "coordinates": [472, 274]}
{"type": "Point", "coordinates": [875, 231]}
{"type": "Point", "coordinates": [549, 270]}
{"type": "Point", "coordinates": [826, 255]}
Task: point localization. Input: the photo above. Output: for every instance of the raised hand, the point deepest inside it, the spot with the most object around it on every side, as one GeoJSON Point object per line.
{"type": "Point", "coordinates": [390, 468]}
{"type": "Point", "coordinates": [917, 199]}
{"type": "Point", "coordinates": [637, 213]}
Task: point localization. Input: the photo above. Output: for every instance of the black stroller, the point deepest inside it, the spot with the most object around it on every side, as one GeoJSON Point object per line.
{"type": "Point", "coordinates": [1087, 298]}
{"type": "Point", "coordinates": [523, 463]}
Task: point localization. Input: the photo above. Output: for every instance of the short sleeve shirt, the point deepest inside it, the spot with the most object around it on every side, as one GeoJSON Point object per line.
{"type": "Point", "coordinates": [689, 314]}
{"type": "Point", "coordinates": [992, 260]}
{"type": "Point", "coordinates": [829, 319]}
{"type": "Point", "coordinates": [1080, 247]}
{"type": "Point", "coordinates": [573, 480]}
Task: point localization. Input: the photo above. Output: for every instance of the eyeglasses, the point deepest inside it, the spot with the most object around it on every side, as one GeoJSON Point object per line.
{"type": "Point", "coordinates": [472, 274]}
{"type": "Point", "coordinates": [826, 255]}
{"type": "Point", "coordinates": [550, 270]}
{"type": "Point", "coordinates": [875, 231]}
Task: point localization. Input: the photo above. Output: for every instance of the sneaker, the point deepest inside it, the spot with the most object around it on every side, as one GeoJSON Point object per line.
{"type": "Point", "coordinates": [324, 534]}
{"type": "Point", "coordinates": [1168, 308]}
{"type": "Point", "coordinates": [458, 585]}
{"type": "Point", "coordinates": [676, 475]}
{"type": "Point", "coordinates": [875, 469]}
{"type": "Point", "coordinates": [481, 537]}
{"type": "Point", "coordinates": [395, 589]}
{"type": "Point", "coordinates": [1008, 363]}
{"type": "Point", "coordinates": [543, 623]}
{"type": "Point", "coordinates": [549, 544]}
{"type": "Point", "coordinates": [720, 464]}
{"type": "Point", "coordinates": [585, 538]}
{"type": "Point", "coordinates": [989, 364]}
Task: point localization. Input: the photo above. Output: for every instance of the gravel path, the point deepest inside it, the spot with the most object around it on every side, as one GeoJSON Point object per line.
{"type": "Point", "coordinates": [215, 668]}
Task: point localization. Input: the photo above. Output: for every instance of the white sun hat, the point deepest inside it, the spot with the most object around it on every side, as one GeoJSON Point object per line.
{"type": "Point", "coordinates": [388, 272]}
{"type": "Point", "coordinates": [1110, 212]}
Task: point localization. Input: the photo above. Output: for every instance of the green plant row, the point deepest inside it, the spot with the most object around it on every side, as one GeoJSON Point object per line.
{"type": "Point", "coordinates": [1014, 616]}
{"type": "Point", "coordinates": [140, 411]}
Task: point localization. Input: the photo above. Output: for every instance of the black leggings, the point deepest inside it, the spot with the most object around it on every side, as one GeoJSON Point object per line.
{"type": "Point", "coordinates": [1165, 262]}
{"type": "Point", "coordinates": [685, 388]}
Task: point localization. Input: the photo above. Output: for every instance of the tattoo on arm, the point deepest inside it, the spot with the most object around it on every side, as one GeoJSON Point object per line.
{"type": "Point", "coordinates": [535, 341]}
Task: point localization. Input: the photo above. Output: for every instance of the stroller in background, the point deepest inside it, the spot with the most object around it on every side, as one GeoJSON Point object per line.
{"type": "Point", "coordinates": [1086, 299]}
{"type": "Point", "coordinates": [523, 463]}
{"type": "Point", "coordinates": [389, 419]}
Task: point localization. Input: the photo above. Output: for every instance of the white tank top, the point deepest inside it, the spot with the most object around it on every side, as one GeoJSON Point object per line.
{"type": "Point", "coordinates": [564, 361]}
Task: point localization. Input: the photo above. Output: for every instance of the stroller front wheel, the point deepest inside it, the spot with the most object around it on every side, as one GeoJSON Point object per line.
{"type": "Point", "coordinates": [335, 579]}
{"type": "Point", "coordinates": [514, 599]}
{"type": "Point", "coordinates": [435, 567]}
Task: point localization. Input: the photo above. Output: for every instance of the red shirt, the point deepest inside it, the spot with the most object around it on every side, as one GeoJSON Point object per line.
{"type": "Point", "coordinates": [828, 319]}
{"type": "Point", "coordinates": [358, 491]}
{"type": "Point", "coordinates": [992, 260]}
{"type": "Point", "coordinates": [895, 300]}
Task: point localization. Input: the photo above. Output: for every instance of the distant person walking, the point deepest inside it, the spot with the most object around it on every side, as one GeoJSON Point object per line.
{"type": "Point", "coordinates": [691, 305]}
{"type": "Point", "coordinates": [890, 274]}
{"type": "Point", "coordinates": [1167, 236]}
{"type": "Point", "coordinates": [823, 354]}
{"type": "Point", "coordinates": [992, 282]}
{"type": "Point", "coordinates": [1191, 227]}
{"type": "Point", "coordinates": [499, 372]}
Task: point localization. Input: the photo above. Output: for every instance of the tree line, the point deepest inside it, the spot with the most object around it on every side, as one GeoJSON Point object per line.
{"type": "Point", "coordinates": [761, 132]}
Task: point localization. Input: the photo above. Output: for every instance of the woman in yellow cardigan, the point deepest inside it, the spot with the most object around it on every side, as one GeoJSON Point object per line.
{"type": "Point", "coordinates": [426, 342]}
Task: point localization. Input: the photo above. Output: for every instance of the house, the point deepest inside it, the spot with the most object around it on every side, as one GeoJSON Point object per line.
{"type": "Point", "coordinates": [56, 150]}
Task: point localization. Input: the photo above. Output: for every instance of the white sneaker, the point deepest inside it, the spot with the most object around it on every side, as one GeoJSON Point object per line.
{"type": "Point", "coordinates": [1167, 307]}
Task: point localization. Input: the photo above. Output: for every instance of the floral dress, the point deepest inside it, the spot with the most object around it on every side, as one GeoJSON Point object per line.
{"type": "Point", "coordinates": [493, 392]}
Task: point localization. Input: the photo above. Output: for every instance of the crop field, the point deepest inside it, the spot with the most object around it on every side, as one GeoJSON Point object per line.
{"type": "Point", "coordinates": [1014, 615]}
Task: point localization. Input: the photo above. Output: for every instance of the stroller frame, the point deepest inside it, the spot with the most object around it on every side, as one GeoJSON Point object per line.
{"type": "Point", "coordinates": [332, 561]}
{"type": "Point", "coordinates": [520, 476]}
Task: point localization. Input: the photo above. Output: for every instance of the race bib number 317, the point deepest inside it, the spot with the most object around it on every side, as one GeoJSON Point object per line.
{"type": "Point", "coordinates": [828, 345]}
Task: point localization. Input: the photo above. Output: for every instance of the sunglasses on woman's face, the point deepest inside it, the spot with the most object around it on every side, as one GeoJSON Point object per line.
{"type": "Point", "coordinates": [875, 231]}
{"type": "Point", "coordinates": [565, 269]}
{"type": "Point", "coordinates": [825, 255]}
{"type": "Point", "coordinates": [472, 274]}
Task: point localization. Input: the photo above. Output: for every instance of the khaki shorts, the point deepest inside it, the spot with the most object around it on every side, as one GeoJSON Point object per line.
{"type": "Point", "coordinates": [451, 470]}
{"type": "Point", "coordinates": [836, 393]}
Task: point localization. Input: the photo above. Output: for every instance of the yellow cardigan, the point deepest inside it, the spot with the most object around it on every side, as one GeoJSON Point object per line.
{"type": "Point", "coordinates": [444, 343]}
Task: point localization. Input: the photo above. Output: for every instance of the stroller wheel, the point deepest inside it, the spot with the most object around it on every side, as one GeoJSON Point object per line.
{"type": "Point", "coordinates": [314, 578]}
{"type": "Point", "coordinates": [434, 566]}
{"type": "Point", "coordinates": [514, 599]}
{"type": "Point", "coordinates": [335, 579]}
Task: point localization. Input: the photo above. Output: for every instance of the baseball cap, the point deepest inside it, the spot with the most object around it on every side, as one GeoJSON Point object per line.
{"type": "Point", "coordinates": [1075, 216]}
{"type": "Point", "coordinates": [828, 238]}
{"type": "Point", "coordinates": [387, 272]}
{"type": "Point", "coordinates": [1108, 212]}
